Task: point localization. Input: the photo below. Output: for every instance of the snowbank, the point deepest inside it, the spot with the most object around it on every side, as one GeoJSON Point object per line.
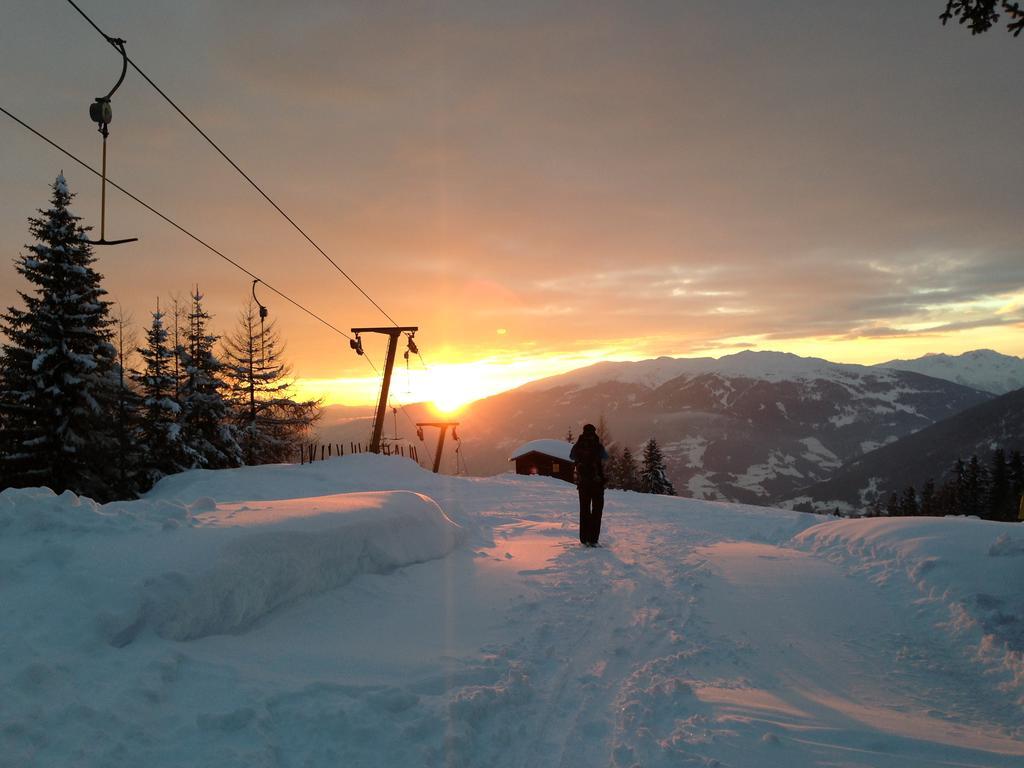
{"type": "Point", "coordinates": [282, 551]}
{"type": "Point", "coordinates": [40, 510]}
{"type": "Point", "coordinates": [205, 568]}
{"type": "Point", "coordinates": [359, 472]}
{"type": "Point", "coordinates": [968, 571]}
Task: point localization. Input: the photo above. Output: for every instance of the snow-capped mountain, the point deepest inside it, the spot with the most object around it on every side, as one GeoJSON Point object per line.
{"type": "Point", "coordinates": [982, 369]}
{"type": "Point", "coordinates": [752, 427]}
{"type": "Point", "coordinates": [763, 366]}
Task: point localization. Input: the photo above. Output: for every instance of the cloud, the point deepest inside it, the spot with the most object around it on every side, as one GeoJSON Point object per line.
{"type": "Point", "coordinates": [668, 175]}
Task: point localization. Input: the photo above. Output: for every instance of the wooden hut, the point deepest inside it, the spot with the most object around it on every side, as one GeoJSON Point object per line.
{"type": "Point", "coordinates": [544, 457]}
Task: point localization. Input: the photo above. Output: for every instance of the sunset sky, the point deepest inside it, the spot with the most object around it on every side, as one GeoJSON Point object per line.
{"type": "Point", "coordinates": [539, 186]}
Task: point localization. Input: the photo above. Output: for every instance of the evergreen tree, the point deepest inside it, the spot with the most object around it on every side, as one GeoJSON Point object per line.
{"type": "Point", "coordinates": [568, 436]}
{"type": "Point", "coordinates": [947, 499]}
{"type": "Point", "coordinates": [982, 15]}
{"type": "Point", "coordinates": [612, 468]}
{"type": "Point", "coordinates": [928, 500]}
{"type": "Point", "coordinates": [908, 506]}
{"type": "Point", "coordinates": [1016, 471]}
{"type": "Point", "coordinates": [126, 413]}
{"type": "Point", "coordinates": [163, 448]}
{"type": "Point", "coordinates": [59, 386]}
{"type": "Point", "coordinates": [209, 436]}
{"type": "Point", "coordinates": [1000, 504]}
{"type": "Point", "coordinates": [875, 510]}
{"type": "Point", "coordinates": [270, 422]}
{"type": "Point", "coordinates": [628, 471]}
{"type": "Point", "coordinates": [972, 489]}
{"type": "Point", "coordinates": [179, 315]}
{"type": "Point", "coordinates": [652, 471]}
{"type": "Point", "coordinates": [892, 506]}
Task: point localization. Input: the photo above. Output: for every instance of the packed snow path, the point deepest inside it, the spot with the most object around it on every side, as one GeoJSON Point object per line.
{"type": "Point", "coordinates": [699, 633]}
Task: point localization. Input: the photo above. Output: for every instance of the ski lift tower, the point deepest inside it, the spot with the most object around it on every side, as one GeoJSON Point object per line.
{"type": "Point", "coordinates": [443, 426]}
{"type": "Point", "coordinates": [392, 332]}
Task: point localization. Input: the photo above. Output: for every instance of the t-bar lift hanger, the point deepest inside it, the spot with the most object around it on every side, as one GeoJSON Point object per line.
{"type": "Point", "coordinates": [102, 114]}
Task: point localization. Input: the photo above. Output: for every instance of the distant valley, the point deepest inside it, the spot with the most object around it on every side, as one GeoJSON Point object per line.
{"type": "Point", "coordinates": [754, 427]}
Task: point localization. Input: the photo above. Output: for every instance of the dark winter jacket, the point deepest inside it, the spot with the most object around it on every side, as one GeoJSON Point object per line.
{"type": "Point", "coordinates": [589, 456]}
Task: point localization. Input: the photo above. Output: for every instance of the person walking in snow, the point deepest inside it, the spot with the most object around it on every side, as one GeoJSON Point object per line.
{"type": "Point", "coordinates": [589, 456]}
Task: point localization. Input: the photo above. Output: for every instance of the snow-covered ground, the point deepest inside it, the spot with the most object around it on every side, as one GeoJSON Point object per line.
{"type": "Point", "coordinates": [363, 612]}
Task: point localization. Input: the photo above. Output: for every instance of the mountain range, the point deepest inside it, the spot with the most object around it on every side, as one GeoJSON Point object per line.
{"type": "Point", "coordinates": [756, 427]}
{"type": "Point", "coordinates": [982, 369]}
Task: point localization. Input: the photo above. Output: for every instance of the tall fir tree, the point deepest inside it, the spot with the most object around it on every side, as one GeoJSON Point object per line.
{"type": "Point", "coordinates": [929, 502]}
{"type": "Point", "coordinates": [210, 439]}
{"type": "Point", "coordinates": [908, 506]}
{"type": "Point", "coordinates": [629, 472]}
{"type": "Point", "coordinates": [126, 414]}
{"type": "Point", "coordinates": [892, 506]}
{"type": "Point", "coordinates": [1016, 471]}
{"type": "Point", "coordinates": [270, 422]}
{"type": "Point", "coordinates": [612, 468]}
{"type": "Point", "coordinates": [972, 489]}
{"type": "Point", "coordinates": [1000, 505]}
{"type": "Point", "coordinates": [163, 447]}
{"type": "Point", "coordinates": [652, 471]}
{"type": "Point", "coordinates": [59, 388]}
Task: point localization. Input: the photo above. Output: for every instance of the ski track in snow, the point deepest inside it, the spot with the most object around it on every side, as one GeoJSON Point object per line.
{"type": "Point", "coordinates": [696, 635]}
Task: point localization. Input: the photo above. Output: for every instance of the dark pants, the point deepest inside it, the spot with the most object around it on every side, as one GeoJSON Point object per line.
{"type": "Point", "coordinates": [591, 507]}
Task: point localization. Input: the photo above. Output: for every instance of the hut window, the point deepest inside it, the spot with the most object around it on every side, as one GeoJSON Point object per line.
{"type": "Point", "coordinates": [554, 466]}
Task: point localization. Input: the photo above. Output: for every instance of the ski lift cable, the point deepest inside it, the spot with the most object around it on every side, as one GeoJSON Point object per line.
{"type": "Point", "coordinates": [233, 164]}
{"type": "Point", "coordinates": [178, 226]}
{"type": "Point", "coordinates": [416, 430]}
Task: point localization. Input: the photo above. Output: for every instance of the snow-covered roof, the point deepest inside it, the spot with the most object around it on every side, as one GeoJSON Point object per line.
{"type": "Point", "coordinates": [558, 449]}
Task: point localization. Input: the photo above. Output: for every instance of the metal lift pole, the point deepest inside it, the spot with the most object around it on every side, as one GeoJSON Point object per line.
{"type": "Point", "coordinates": [392, 332]}
{"type": "Point", "coordinates": [443, 426]}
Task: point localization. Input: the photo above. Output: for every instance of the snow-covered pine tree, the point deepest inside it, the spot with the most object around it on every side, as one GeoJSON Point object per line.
{"type": "Point", "coordinates": [652, 471]}
{"type": "Point", "coordinates": [58, 391]}
{"type": "Point", "coordinates": [163, 448]}
{"type": "Point", "coordinates": [629, 472]}
{"type": "Point", "coordinates": [209, 436]}
{"type": "Point", "coordinates": [126, 411]}
{"type": "Point", "coordinates": [270, 423]}
{"type": "Point", "coordinates": [176, 333]}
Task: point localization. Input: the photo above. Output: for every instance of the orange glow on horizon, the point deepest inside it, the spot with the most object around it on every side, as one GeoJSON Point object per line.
{"type": "Point", "coordinates": [453, 383]}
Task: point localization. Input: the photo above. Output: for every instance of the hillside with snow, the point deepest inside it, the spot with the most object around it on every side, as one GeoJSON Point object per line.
{"type": "Point", "coordinates": [363, 612]}
{"type": "Point", "coordinates": [982, 369]}
{"type": "Point", "coordinates": [755, 427]}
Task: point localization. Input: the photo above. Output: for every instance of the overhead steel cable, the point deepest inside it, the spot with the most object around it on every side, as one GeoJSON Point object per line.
{"type": "Point", "coordinates": [233, 164]}
{"type": "Point", "coordinates": [178, 226]}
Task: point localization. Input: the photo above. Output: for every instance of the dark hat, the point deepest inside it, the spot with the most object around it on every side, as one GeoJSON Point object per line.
{"type": "Point", "coordinates": [589, 428]}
